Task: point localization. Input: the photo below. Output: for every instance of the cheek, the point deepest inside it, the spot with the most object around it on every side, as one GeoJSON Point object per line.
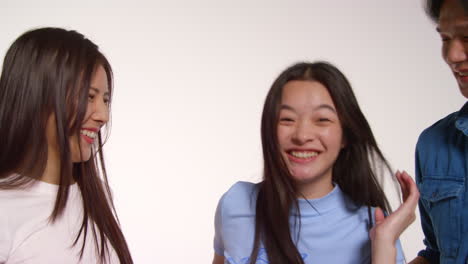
{"type": "Point", "coordinates": [73, 142]}
{"type": "Point", "coordinates": [283, 135]}
{"type": "Point", "coordinates": [333, 137]}
{"type": "Point", "coordinates": [74, 148]}
{"type": "Point", "coordinates": [87, 114]}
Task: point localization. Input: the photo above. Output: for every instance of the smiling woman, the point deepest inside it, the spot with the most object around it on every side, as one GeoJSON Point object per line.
{"type": "Point", "coordinates": [319, 201]}
{"type": "Point", "coordinates": [309, 135]}
{"type": "Point", "coordinates": [55, 202]}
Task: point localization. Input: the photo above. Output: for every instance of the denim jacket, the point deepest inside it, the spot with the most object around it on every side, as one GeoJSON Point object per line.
{"type": "Point", "coordinates": [441, 175]}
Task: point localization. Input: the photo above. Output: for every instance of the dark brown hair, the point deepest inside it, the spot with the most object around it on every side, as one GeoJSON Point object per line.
{"type": "Point", "coordinates": [433, 7]}
{"type": "Point", "coordinates": [354, 170]}
{"type": "Point", "coordinates": [47, 72]}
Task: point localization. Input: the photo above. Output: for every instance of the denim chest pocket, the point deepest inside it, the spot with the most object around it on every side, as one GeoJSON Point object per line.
{"type": "Point", "coordinates": [442, 197]}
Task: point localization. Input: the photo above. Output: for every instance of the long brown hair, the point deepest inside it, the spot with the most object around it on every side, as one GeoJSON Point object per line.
{"type": "Point", "coordinates": [354, 170]}
{"type": "Point", "coordinates": [47, 72]}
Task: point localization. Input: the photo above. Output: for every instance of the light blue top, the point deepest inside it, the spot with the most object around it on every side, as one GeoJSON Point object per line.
{"type": "Point", "coordinates": [333, 228]}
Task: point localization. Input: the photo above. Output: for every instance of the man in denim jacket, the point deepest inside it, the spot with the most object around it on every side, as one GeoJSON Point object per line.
{"type": "Point", "coordinates": [442, 150]}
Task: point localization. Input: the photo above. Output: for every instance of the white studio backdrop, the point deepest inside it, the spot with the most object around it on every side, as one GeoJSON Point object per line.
{"type": "Point", "coordinates": [190, 81]}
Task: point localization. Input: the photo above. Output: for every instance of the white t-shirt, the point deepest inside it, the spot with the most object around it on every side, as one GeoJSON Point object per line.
{"type": "Point", "coordinates": [27, 236]}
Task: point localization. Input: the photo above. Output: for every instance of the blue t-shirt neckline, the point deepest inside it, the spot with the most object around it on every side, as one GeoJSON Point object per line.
{"type": "Point", "coordinates": [323, 205]}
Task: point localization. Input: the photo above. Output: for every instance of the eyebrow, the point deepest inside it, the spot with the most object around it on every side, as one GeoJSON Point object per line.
{"type": "Point", "coordinates": [460, 26]}
{"type": "Point", "coordinates": [98, 91]}
{"type": "Point", "coordinates": [322, 106]}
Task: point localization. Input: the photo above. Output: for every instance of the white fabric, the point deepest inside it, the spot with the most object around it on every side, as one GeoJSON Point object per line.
{"type": "Point", "coordinates": [27, 236]}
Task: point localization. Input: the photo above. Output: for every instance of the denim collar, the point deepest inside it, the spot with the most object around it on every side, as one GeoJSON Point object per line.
{"type": "Point", "coordinates": [461, 122]}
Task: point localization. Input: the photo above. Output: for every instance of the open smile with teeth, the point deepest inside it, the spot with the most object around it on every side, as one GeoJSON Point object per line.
{"type": "Point", "coordinates": [303, 154]}
{"type": "Point", "coordinates": [463, 74]}
{"type": "Point", "coordinates": [88, 133]}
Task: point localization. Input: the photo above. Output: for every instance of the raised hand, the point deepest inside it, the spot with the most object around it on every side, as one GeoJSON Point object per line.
{"type": "Point", "coordinates": [387, 229]}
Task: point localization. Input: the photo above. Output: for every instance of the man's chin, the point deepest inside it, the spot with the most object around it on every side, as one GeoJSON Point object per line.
{"type": "Point", "coordinates": [464, 91]}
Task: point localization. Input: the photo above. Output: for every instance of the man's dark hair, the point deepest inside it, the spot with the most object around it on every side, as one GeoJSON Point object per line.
{"type": "Point", "coordinates": [433, 8]}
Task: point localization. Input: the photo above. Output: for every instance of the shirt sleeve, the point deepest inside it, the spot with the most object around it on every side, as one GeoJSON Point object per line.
{"type": "Point", "coordinates": [218, 238]}
{"type": "Point", "coordinates": [431, 252]}
{"type": "Point", "coordinates": [400, 258]}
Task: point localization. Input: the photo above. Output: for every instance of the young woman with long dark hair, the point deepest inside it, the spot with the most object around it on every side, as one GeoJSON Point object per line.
{"type": "Point", "coordinates": [55, 202]}
{"type": "Point", "coordinates": [318, 198]}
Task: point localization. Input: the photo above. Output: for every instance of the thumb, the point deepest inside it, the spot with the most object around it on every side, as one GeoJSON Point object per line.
{"type": "Point", "coordinates": [379, 216]}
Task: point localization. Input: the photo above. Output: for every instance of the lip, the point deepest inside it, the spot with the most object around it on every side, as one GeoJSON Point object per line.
{"type": "Point", "coordinates": [460, 78]}
{"type": "Point", "coordinates": [302, 160]}
{"type": "Point", "coordinates": [92, 129]}
{"type": "Point", "coordinates": [89, 140]}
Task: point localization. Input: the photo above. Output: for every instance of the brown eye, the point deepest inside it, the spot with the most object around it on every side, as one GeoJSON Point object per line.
{"type": "Point", "coordinates": [444, 38]}
{"type": "Point", "coordinates": [287, 121]}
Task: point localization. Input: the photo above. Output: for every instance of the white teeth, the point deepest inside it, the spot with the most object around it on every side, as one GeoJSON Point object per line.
{"type": "Point", "coordinates": [304, 154]}
{"type": "Point", "coordinates": [88, 133]}
{"type": "Point", "coordinates": [464, 74]}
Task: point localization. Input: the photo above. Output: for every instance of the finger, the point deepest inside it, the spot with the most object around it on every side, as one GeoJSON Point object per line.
{"type": "Point", "coordinates": [403, 185]}
{"type": "Point", "coordinates": [379, 216]}
{"type": "Point", "coordinates": [397, 176]}
{"type": "Point", "coordinates": [412, 194]}
{"type": "Point", "coordinates": [411, 186]}
{"type": "Point", "coordinates": [409, 183]}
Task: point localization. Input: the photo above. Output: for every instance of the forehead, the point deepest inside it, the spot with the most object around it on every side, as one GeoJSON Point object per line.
{"type": "Point", "coordinates": [305, 93]}
{"type": "Point", "coordinates": [452, 15]}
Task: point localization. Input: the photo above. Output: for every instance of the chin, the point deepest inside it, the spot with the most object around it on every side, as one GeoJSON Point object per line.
{"type": "Point", "coordinates": [303, 174]}
{"type": "Point", "coordinates": [85, 156]}
{"type": "Point", "coordinates": [464, 92]}
{"type": "Point", "coordinates": [309, 175]}
{"type": "Point", "coordinates": [304, 178]}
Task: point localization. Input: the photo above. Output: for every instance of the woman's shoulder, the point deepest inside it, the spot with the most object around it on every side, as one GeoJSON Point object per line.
{"type": "Point", "coordinates": [26, 206]}
{"type": "Point", "coordinates": [32, 195]}
{"type": "Point", "coordinates": [240, 196]}
{"type": "Point", "coordinates": [242, 188]}
{"type": "Point", "coordinates": [23, 210]}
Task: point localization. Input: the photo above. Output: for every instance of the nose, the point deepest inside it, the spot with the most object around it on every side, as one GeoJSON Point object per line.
{"type": "Point", "coordinates": [100, 112]}
{"type": "Point", "coordinates": [304, 132]}
{"type": "Point", "coordinates": [455, 51]}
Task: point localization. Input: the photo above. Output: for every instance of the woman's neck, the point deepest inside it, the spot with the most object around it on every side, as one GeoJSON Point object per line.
{"type": "Point", "coordinates": [52, 170]}
{"type": "Point", "coordinates": [314, 190]}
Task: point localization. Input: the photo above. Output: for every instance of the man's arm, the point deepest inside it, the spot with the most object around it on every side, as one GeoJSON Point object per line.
{"type": "Point", "coordinates": [419, 260]}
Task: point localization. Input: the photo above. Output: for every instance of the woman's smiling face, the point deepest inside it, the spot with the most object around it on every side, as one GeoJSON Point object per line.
{"type": "Point", "coordinates": [310, 135]}
{"type": "Point", "coordinates": [97, 115]}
